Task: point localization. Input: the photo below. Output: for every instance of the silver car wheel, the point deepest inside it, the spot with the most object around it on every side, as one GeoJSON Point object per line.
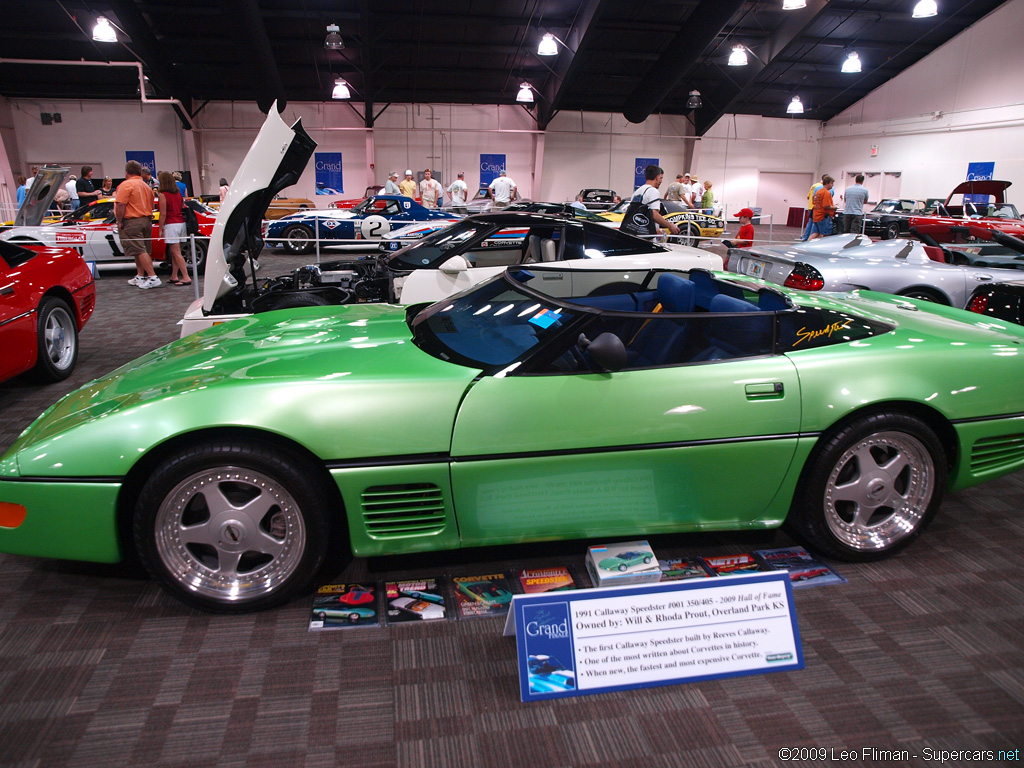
{"type": "Point", "coordinates": [59, 338]}
{"type": "Point", "coordinates": [229, 534]}
{"type": "Point", "coordinates": [879, 491]}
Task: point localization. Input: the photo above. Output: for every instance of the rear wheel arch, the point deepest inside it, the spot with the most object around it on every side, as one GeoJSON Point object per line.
{"type": "Point", "coordinates": [938, 423]}
{"type": "Point", "coordinates": [339, 549]}
{"type": "Point", "coordinates": [927, 293]}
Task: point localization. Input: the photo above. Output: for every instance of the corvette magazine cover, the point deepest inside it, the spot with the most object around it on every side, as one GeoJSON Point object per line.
{"type": "Point", "coordinates": [417, 600]}
{"type": "Point", "coordinates": [343, 606]}
{"type": "Point", "coordinates": [487, 595]}
{"type": "Point", "coordinates": [727, 565]}
{"type": "Point", "coordinates": [677, 569]}
{"type": "Point", "coordinates": [536, 580]}
{"type": "Point", "coordinates": [805, 570]}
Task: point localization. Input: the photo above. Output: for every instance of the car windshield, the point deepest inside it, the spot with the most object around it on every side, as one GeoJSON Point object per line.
{"type": "Point", "coordinates": [491, 326]}
{"type": "Point", "coordinates": [888, 206]}
{"type": "Point", "coordinates": [437, 246]}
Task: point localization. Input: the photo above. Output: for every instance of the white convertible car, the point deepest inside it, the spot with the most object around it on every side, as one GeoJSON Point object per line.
{"type": "Point", "coordinates": [440, 264]}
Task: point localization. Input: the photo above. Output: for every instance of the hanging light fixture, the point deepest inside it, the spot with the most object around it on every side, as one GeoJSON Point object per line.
{"type": "Point", "coordinates": [852, 63]}
{"type": "Point", "coordinates": [525, 95]}
{"type": "Point", "coordinates": [333, 41]}
{"type": "Point", "coordinates": [796, 107]}
{"type": "Point", "coordinates": [103, 32]}
{"type": "Point", "coordinates": [547, 46]}
{"type": "Point", "coordinates": [925, 8]}
{"type": "Point", "coordinates": [792, 5]}
{"type": "Point", "coordinates": [694, 102]}
{"type": "Point", "coordinates": [341, 90]}
{"type": "Point", "coordinates": [738, 57]}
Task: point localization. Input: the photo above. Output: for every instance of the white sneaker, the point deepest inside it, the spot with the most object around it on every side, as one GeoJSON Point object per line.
{"type": "Point", "coordinates": [136, 280]}
{"type": "Point", "coordinates": [150, 282]}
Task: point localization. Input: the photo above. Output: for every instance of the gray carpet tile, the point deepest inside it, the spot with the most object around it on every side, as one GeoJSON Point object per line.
{"type": "Point", "coordinates": [98, 667]}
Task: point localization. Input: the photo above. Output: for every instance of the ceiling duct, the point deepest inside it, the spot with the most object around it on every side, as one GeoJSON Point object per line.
{"type": "Point", "coordinates": [254, 51]}
{"type": "Point", "coordinates": [699, 31]}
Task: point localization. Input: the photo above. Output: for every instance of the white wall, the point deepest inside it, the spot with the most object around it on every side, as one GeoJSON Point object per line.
{"type": "Point", "coordinates": [962, 103]}
{"type": "Point", "coordinates": [95, 133]}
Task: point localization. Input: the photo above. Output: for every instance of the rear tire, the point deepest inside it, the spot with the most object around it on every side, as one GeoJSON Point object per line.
{"type": "Point", "coordinates": [891, 232]}
{"type": "Point", "coordinates": [56, 340]}
{"type": "Point", "coordinates": [233, 526]}
{"type": "Point", "coordinates": [924, 294]}
{"type": "Point", "coordinates": [871, 487]}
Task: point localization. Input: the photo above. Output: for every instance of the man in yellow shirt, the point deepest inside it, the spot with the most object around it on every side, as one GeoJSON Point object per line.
{"type": "Point", "coordinates": [408, 185]}
{"type": "Point", "coordinates": [133, 210]}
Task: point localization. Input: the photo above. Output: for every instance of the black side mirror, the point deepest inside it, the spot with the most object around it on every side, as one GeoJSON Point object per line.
{"type": "Point", "coordinates": [607, 351]}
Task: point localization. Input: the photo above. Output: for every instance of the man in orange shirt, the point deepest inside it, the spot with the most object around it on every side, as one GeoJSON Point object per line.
{"type": "Point", "coordinates": [824, 208]}
{"type": "Point", "coordinates": [133, 209]}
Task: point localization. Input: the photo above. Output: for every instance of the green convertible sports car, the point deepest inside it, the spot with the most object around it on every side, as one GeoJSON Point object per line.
{"type": "Point", "coordinates": [235, 461]}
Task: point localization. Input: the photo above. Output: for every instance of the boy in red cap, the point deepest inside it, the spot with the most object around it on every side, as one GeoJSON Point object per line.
{"type": "Point", "coordinates": [745, 237]}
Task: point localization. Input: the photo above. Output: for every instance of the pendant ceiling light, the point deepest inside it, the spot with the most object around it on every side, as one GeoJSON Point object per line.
{"type": "Point", "coordinates": [548, 46]}
{"type": "Point", "coordinates": [103, 32]}
{"type": "Point", "coordinates": [341, 90]}
{"type": "Point", "coordinates": [796, 107]}
{"type": "Point", "coordinates": [925, 8]}
{"type": "Point", "coordinates": [333, 41]}
{"type": "Point", "coordinates": [694, 102]}
{"type": "Point", "coordinates": [525, 95]}
{"type": "Point", "coordinates": [738, 57]}
{"type": "Point", "coordinates": [852, 63]}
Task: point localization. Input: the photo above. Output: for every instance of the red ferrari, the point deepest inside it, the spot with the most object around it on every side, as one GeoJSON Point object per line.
{"type": "Point", "coordinates": [46, 296]}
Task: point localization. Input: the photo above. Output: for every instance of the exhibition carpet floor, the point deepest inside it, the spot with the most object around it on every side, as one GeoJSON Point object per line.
{"type": "Point", "coordinates": [98, 667]}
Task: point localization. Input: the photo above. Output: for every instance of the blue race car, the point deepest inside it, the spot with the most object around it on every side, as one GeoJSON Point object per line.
{"type": "Point", "coordinates": [369, 221]}
{"type": "Point", "coordinates": [547, 675]}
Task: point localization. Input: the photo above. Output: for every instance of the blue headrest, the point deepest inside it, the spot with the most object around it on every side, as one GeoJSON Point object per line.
{"type": "Point", "coordinates": [723, 303]}
{"type": "Point", "coordinates": [675, 293]}
{"type": "Point", "coordinates": [770, 301]}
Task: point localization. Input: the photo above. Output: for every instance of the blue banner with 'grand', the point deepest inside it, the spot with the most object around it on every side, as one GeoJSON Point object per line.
{"type": "Point", "coordinates": [328, 173]}
{"type": "Point", "coordinates": [145, 156]}
{"type": "Point", "coordinates": [491, 167]}
{"type": "Point", "coordinates": [639, 168]}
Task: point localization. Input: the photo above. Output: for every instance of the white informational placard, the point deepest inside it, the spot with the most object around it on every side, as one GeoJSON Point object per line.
{"type": "Point", "coordinates": [599, 640]}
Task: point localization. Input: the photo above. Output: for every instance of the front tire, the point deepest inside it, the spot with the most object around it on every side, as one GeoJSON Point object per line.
{"type": "Point", "coordinates": [56, 340]}
{"type": "Point", "coordinates": [298, 239]}
{"type": "Point", "coordinates": [871, 487]}
{"type": "Point", "coordinates": [891, 232]}
{"type": "Point", "coordinates": [200, 258]}
{"type": "Point", "coordinates": [232, 526]}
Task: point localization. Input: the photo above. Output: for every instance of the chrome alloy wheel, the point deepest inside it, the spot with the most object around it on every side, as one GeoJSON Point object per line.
{"type": "Point", "coordinates": [230, 534]}
{"type": "Point", "coordinates": [59, 338]}
{"type": "Point", "coordinates": [879, 490]}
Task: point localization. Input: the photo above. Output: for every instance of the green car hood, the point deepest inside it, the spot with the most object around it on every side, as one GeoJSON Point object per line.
{"type": "Point", "coordinates": [345, 382]}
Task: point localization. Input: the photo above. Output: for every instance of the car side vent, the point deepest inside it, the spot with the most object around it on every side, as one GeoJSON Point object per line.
{"type": "Point", "coordinates": [997, 453]}
{"type": "Point", "coordinates": [415, 509]}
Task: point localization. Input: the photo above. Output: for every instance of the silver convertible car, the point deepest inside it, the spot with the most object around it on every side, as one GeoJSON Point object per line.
{"type": "Point", "coordinates": [850, 262]}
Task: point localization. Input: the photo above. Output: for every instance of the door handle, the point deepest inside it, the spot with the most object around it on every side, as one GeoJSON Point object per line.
{"type": "Point", "coordinates": [550, 276]}
{"type": "Point", "coordinates": [764, 391]}
{"type": "Point", "coordinates": [7, 290]}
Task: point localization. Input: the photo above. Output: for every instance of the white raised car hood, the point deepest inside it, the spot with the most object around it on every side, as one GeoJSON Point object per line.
{"type": "Point", "coordinates": [258, 171]}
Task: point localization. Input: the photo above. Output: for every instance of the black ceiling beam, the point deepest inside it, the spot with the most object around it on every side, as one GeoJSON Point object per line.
{"type": "Point", "coordinates": [794, 26]}
{"type": "Point", "coordinates": [367, 58]}
{"type": "Point", "coordinates": [567, 62]}
{"type": "Point", "coordinates": [255, 55]}
{"type": "Point", "coordinates": [685, 50]}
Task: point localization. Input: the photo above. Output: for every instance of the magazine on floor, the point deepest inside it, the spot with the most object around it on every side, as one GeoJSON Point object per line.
{"type": "Point", "coordinates": [486, 595]}
{"type": "Point", "coordinates": [417, 600]}
{"type": "Point", "coordinates": [343, 606]}
{"type": "Point", "coordinates": [726, 565]}
{"type": "Point", "coordinates": [536, 580]}
{"type": "Point", "coordinates": [805, 570]}
{"type": "Point", "coordinates": [679, 568]}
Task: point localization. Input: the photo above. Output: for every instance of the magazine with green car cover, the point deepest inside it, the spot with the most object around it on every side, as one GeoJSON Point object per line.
{"type": "Point", "coordinates": [626, 562]}
{"type": "Point", "coordinates": [485, 595]}
{"type": "Point", "coordinates": [343, 606]}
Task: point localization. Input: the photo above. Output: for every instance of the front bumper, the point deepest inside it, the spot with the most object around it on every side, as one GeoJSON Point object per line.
{"type": "Point", "coordinates": [64, 520]}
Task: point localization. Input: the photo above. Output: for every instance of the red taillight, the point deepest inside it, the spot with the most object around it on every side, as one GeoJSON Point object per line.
{"type": "Point", "coordinates": [978, 304]}
{"type": "Point", "coordinates": [805, 277]}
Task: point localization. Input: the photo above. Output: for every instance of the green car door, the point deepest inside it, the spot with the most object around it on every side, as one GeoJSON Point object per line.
{"type": "Point", "coordinates": [683, 447]}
